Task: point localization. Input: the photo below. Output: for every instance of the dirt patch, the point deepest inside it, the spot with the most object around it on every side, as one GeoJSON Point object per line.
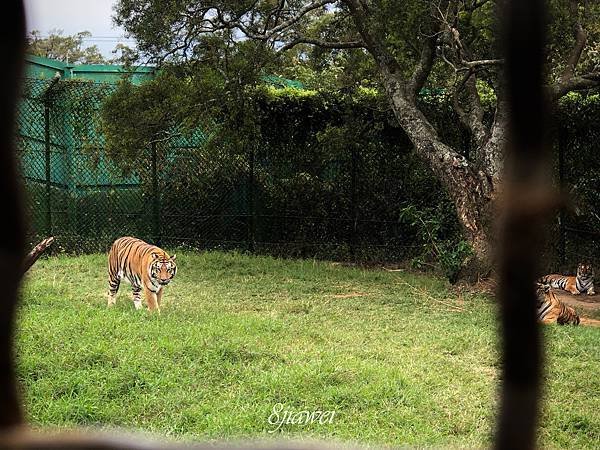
{"type": "Point", "coordinates": [587, 306]}
{"type": "Point", "coordinates": [585, 302]}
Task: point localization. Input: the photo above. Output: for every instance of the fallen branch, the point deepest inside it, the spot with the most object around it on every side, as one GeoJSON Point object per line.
{"type": "Point", "coordinates": [37, 251]}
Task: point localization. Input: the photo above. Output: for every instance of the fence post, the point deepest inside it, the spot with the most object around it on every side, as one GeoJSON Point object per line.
{"type": "Point", "coordinates": [353, 199]}
{"type": "Point", "coordinates": [156, 219]}
{"type": "Point", "coordinates": [48, 149]}
{"type": "Point", "coordinates": [561, 178]}
{"type": "Point", "coordinates": [251, 201]}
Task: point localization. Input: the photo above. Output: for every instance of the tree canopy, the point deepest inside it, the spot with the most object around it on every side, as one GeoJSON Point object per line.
{"type": "Point", "coordinates": [68, 49]}
{"type": "Point", "coordinates": [73, 50]}
{"type": "Point", "coordinates": [400, 49]}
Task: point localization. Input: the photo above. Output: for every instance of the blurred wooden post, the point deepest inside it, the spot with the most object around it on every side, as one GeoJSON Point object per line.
{"type": "Point", "coordinates": [528, 201]}
{"type": "Point", "coordinates": [12, 238]}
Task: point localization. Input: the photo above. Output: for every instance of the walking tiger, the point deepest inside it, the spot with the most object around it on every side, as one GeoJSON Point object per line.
{"type": "Point", "coordinates": [147, 267]}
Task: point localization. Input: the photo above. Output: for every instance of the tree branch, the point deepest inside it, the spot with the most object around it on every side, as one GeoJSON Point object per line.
{"type": "Point", "coordinates": [449, 23]}
{"type": "Point", "coordinates": [301, 13]}
{"type": "Point", "coordinates": [266, 35]}
{"type": "Point", "coordinates": [423, 67]}
{"type": "Point", "coordinates": [481, 63]}
{"type": "Point", "coordinates": [471, 118]}
{"type": "Point", "coordinates": [384, 59]}
{"type": "Point", "coordinates": [568, 80]}
{"type": "Point", "coordinates": [275, 12]}
{"type": "Point", "coordinates": [577, 83]}
{"type": "Point", "coordinates": [323, 44]}
{"type": "Point", "coordinates": [37, 251]}
{"type": "Point", "coordinates": [476, 5]}
{"type": "Point", "coordinates": [580, 40]}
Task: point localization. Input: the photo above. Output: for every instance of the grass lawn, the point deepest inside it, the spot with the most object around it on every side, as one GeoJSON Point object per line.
{"type": "Point", "coordinates": [396, 355]}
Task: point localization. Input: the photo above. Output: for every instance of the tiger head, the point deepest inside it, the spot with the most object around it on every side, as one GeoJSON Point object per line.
{"type": "Point", "coordinates": [542, 292]}
{"type": "Point", "coordinates": [585, 271]}
{"type": "Point", "coordinates": [542, 288]}
{"type": "Point", "coordinates": [162, 268]}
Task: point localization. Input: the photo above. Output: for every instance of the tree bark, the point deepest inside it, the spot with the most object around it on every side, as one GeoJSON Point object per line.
{"type": "Point", "coordinates": [37, 251]}
{"type": "Point", "coordinates": [471, 190]}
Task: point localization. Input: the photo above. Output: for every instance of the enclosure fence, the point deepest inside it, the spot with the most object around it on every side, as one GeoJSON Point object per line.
{"type": "Point", "coordinates": [278, 200]}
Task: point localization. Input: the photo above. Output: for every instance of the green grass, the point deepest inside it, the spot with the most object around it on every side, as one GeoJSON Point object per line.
{"type": "Point", "coordinates": [239, 334]}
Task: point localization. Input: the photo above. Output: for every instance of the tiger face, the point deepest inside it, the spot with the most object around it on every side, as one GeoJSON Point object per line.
{"type": "Point", "coordinates": [585, 271]}
{"type": "Point", "coordinates": [541, 291]}
{"type": "Point", "coordinates": [162, 269]}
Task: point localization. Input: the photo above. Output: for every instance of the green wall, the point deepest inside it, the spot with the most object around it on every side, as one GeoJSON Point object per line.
{"type": "Point", "coordinates": [45, 68]}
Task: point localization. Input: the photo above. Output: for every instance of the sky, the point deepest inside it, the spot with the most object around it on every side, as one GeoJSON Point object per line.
{"type": "Point", "coordinates": [73, 16]}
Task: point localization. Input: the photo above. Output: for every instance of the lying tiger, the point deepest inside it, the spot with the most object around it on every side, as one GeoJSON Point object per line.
{"type": "Point", "coordinates": [145, 266]}
{"type": "Point", "coordinates": [551, 310]}
{"type": "Point", "coordinates": [581, 283]}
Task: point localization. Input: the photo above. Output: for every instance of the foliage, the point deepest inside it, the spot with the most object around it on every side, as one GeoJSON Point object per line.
{"type": "Point", "coordinates": [134, 117]}
{"type": "Point", "coordinates": [423, 44]}
{"type": "Point", "coordinates": [72, 49]}
{"type": "Point", "coordinates": [68, 49]}
{"type": "Point", "coordinates": [562, 40]}
{"type": "Point", "coordinates": [175, 31]}
{"type": "Point", "coordinates": [440, 241]}
{"type": "Point", "coordinates": [303, 142]}
{"type": "Point", "coordinates": [211, 95]}
{"type": "Point", "coordinates": [306, 145]}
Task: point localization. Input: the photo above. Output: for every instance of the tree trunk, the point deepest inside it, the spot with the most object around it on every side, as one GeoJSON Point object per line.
{"type": "Point", "coordinates": [474, 208]}
{"type": "Point", "coordinates": [470, 188]}
{"type": "Point", "coordinates": [470, 185]}
{"type": "Point", "coordinates": [478, 234]}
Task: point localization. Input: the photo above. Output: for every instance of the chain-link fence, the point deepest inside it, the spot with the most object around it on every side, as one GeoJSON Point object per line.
{"type": "Point", "coordinates": [279, 201]}
{"type": "Point", "coordinates": [73, 192]}
{"type": "Point", "coordinates": [292, 198]}
{"type": "Point", "coordinates": [578, 172]}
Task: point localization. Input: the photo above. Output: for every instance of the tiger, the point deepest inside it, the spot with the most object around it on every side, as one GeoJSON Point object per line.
{"type": "Point", "coordinates": [551, 310]}
{"type": "Point", "coordinates": [579, 284]}
{"type": "Point", "coordinates": [147, 267]}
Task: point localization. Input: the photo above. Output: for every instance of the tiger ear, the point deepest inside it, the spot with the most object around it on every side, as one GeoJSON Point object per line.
{"type": "Point", "coordinates": [173, 257]}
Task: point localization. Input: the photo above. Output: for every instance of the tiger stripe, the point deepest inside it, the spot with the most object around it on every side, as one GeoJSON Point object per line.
{"type": "Point", "coordinates": [147, 267]}
{"type": "Point", "coordinates": [582, 283]}
{"type": "Point", "coordinates": [551, 310]}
